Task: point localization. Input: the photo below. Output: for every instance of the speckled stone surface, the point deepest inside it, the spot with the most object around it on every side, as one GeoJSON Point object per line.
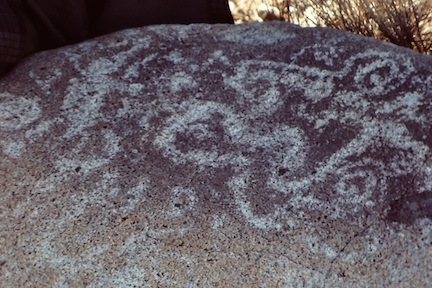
{"type": "Point", "coordinates": [264, 155]}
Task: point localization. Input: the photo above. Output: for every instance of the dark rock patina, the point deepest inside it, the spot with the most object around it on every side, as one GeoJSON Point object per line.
{"type": "Point", "coordinates": [236, 156]}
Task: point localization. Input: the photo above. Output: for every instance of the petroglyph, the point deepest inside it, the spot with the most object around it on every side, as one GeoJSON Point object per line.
{"type": "Point", "coordinates": [215, 146]}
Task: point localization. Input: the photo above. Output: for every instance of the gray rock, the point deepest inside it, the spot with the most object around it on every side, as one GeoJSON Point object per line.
{"type": "Point", "coordinates": [233, 156]}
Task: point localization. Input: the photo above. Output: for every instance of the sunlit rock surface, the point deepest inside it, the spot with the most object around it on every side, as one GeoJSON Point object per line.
{"type": "Point", "coordinates": [264, 155]}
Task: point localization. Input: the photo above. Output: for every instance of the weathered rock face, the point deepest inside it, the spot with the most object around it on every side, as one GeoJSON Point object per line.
{"type": "Point", "coordinates": [235, 156]}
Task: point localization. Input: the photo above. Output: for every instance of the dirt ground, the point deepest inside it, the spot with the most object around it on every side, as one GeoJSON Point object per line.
{"type": "Point", "coordinates": [245, 11]}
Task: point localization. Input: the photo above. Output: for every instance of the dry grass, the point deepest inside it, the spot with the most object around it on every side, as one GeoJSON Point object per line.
{"type": "Point", "coordinates": [406, 23]}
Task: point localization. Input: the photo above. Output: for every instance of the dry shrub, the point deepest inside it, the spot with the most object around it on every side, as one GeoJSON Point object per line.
{"type": "Point", "coordinates": [406, 23]}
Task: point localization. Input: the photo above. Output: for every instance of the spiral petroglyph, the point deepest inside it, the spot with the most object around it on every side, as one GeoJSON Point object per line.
{"type": "Point", "coordinates": [179, 154]}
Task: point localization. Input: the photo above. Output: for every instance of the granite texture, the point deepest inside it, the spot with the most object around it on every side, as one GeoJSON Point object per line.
{"type": "Point", "coordinates": [263, 155]}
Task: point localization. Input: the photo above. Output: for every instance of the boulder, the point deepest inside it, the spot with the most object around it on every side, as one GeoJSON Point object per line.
{"type": "Point", "coordinates": [217, 155]}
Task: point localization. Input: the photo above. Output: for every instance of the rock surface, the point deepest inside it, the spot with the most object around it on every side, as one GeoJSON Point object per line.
{"type": "Point", "coordinates": [263, 155]}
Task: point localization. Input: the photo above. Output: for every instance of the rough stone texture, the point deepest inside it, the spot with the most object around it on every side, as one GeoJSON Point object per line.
{"type": "Point", "coordinates": [264, 155]}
